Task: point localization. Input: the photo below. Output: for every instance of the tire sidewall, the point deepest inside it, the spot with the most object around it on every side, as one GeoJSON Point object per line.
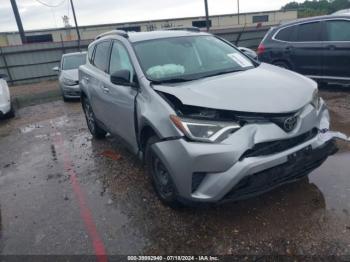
{"type": "Point", "coordinates": [97, 132]}
{"type": "Point", "coordinates": [150, 154]}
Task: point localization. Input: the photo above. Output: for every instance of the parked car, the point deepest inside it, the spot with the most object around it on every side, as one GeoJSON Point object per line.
{"type": "Point", "coordinates": [342, 12]}
{"type": "Point", "coordinates": [68, 74]}
{"type": "Point", "coordinates": [6, 108]}
{"type": "Point", "coordinates": [318, 47]}
{"type": "Point", "coordinates": [211, 123]}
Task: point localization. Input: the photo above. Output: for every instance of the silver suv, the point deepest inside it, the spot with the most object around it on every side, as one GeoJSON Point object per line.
{"type": "Point", "coordinates": [210, 123]}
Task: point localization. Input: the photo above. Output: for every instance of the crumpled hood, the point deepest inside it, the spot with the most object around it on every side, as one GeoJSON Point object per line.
{"type": "Point", "coordinates": [265, 89]}
{"type": "Point", "coordinates": [72, 74]}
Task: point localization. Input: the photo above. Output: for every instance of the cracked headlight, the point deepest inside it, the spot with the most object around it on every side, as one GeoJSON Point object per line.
{"type": "Point", "coordinates": [69, 82]}
{"type": "Point", "coordinates": [203, 130]}
{"type": "Point", "coordinates": [316, 100]}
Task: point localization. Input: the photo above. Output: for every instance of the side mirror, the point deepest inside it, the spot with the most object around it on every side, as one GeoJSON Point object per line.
{"type": "Point", "coordinates": [121, 77]}
{"type": "Point", "coordinates": [56, 69]}
{"type": "Point", "coordinates": [249, 52]}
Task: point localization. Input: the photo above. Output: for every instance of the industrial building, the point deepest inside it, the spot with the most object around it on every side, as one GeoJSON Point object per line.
{"type": "Point", "coordinates": [218, 22]}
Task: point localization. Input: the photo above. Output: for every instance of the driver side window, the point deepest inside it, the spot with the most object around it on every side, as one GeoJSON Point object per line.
{"type": "Point", "coordinates": [120, 60]}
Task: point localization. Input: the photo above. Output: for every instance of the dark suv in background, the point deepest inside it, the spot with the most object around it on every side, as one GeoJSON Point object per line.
{"type": "Point", "coordinates": [317, 47]}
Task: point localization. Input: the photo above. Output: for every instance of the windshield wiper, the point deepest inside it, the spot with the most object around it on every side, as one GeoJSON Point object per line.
{"type": "Point", "coordinates": [171, 80]}
{"type": "Point", "coordinates": [225, 72]}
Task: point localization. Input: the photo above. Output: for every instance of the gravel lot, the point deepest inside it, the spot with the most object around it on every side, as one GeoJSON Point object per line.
{"type": "Point", "coordinates": [61, 192]}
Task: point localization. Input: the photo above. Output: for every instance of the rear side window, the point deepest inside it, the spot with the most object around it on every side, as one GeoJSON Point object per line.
{"type": "Point", "coordinates": [309, 32]}
{"type": "Point", "coordinates": [101, 55]}
{"type": "Point", "coordinates": [286, 34]}
{"type": "Point", "coordinates": [337, 30]}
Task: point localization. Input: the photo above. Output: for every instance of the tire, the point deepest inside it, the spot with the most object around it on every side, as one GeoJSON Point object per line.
{"type": "Point", "coordinates": [11, 114]}
{"type": "Point", "coordinates": [95, 130]}
{"type": "Point", "coordinates": [65, 99]}
{"type": "Point", "coordinates": [161, 179]}
{"type": "Point", "coordinates": [282, 64]}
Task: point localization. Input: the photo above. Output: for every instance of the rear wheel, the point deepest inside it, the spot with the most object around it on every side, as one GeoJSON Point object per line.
{"type": "Point", "coordinates": [161, 178]}
{"type": "Point", "coordinates": [95, 129]}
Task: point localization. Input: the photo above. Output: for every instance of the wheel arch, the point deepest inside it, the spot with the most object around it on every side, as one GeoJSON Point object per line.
{"type": "Point", "coordinates": [146, 132]}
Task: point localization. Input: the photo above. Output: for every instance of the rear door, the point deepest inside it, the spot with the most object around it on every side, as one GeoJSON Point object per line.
{"type": "Point", "coordinates": [306, 49]}
{"type": "Point", "coordinates": [336, 63]}
{"type": "Point", "coordinates": [120, 99]}
{"type": "Point", "coordinates": [99, 79]}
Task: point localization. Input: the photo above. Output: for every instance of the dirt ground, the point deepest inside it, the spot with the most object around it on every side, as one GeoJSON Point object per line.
{"type": "Point", "coordinates": [62, 192]}
{"type": "Point", "coordinates": [35, 88]}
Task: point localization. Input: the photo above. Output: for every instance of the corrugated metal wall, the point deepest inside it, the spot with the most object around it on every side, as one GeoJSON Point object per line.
{"type": "Point", "coordinates": [34, 62]}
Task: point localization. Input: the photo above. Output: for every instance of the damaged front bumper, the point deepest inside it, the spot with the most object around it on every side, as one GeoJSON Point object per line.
{"type": "Point", "coordinates": [225, 171]}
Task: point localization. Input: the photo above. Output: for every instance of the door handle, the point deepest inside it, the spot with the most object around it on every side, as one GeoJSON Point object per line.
{"type": "Point", "coordinates": [105, 89]}
{"type": "Point", "coordinates": [289, 49]}
{"type": "Point", "coordinates": [331, 47]}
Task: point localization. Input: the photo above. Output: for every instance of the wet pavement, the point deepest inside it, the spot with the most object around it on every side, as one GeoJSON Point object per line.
{"type": "Point", "coordinates": [61, 192]}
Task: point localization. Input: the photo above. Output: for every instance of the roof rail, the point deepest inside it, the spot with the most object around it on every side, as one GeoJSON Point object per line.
{"type": "Point", "coordinates": [113, 32]}
{"type": "Point", "coordinates": [190, 29]}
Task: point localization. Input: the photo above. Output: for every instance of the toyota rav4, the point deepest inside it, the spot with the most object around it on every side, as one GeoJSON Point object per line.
{"type": "Point", "coordinates": [210, 123]}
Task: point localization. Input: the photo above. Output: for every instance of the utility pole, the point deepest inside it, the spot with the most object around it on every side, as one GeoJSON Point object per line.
{"type": "Point", "coordinates": [18, 21]}
{"type": "Point", "coordinates": [238, 11]}
{"type": "Point", "coordinates": [206, 15]}
{"type": "Point", "coordinates": [76, 23]}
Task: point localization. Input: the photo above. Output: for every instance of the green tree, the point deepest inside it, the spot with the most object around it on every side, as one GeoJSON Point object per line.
{"type": "Point", "coordinates": [317, 7]}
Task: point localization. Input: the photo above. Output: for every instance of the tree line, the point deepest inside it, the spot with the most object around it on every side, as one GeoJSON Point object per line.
{"type": "Point", "coordinates": [317, 7]}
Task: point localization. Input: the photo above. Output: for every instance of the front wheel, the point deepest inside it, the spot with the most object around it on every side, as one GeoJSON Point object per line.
{"type": "Point", "coordinates": [161, 178]}
{"type": "Point", "coordinates": [11, 114]}
{"type": "Point", "coordinates": [96, 131]}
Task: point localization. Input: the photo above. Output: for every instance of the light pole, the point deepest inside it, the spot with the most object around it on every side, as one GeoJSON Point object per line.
{"type": "Point", "coordinates": [18, 21]}
{"type": "Point", "coordinates": [76, 23]}
{"type": "Point", "coordinates": [238, 11]}
{"type": "Point", "coordinates": [206, 15]}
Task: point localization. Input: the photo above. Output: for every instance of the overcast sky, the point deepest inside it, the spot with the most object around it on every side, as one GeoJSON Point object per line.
{"type": "Point", "coordinates": [37, 16]}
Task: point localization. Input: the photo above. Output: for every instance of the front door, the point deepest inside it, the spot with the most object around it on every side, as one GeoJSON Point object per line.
{"type": "Point", "coordinates": [120, 99]}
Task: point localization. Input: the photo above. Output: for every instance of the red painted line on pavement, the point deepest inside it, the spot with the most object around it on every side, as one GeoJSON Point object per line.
{"type": "Point", "coordinates": [85, 213]}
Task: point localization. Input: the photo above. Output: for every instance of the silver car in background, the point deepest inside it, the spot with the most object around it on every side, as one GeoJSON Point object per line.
{"type": "Point", "coordinates": [68, 74]}
{"type": "Point", "coordinates": [6, 107]}
{"type": "Point", "coordinates": [211, 123]}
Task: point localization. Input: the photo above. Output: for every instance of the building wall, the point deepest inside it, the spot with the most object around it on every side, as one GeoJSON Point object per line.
{"type": "Point", "coordinates": [218, 22]}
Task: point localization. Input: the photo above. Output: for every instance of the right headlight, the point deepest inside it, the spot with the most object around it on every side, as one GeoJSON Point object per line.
{"type": "Point", "coordinates": [203, 130]}
{"type": "Point", "coordinates": [316, 100]}
{"type": "Point", "coordinates": [69, 82]}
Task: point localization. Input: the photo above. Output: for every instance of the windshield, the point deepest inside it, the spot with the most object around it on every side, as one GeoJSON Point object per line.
{"type": "Point", "coordinates": [73, 61]}
{"type": "Point", "coordinates": [189, 58]}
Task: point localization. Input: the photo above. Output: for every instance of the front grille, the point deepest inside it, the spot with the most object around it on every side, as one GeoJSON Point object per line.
{"type": "Point", "coordinates": [72, 93]}
{"type": "Point", "coordinates": [271, 178]}
{"type": "Point", "coordinates": [274, 147]}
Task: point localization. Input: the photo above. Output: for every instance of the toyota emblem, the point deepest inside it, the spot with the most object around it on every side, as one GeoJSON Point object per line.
{"type": "Point", "coordinates": [290, 123]}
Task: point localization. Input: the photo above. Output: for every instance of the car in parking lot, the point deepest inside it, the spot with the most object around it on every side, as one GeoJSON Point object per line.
{"type": "Point", "coordinates": [68, 74]}
{"type": "Point", "coordinates": [211, 123]}
{"type": "Point", "coordinates": [317, 47]}
{"type": "Point", "coordinates": [6, 107]}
